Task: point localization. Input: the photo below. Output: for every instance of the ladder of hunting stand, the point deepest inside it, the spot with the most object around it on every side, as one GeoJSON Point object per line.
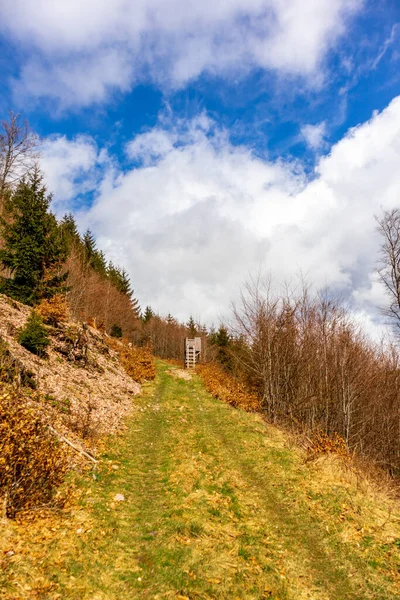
{"type": "Point", "coordinates": [192, 345]}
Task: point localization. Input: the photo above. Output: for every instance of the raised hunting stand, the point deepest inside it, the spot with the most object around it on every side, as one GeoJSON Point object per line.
{"type": "Point", "coordinates": [192, 352]}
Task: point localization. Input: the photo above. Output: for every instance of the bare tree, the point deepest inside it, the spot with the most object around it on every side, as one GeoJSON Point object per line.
{"type": "Point", "coordinates": [312, 366]}
{"type": "Point", "coordinates": [18, 150]}
{"type": "Point", "coordinates": [389, 267]}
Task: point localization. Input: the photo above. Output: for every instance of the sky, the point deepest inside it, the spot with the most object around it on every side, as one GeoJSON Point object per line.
{"type": "Point", "coordinates": [205, 142]}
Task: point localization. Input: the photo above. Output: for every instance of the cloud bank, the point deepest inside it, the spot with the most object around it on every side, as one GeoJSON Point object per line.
{"type": "Point", "coordinates": [79, 51]}
{"type": "Point", "coordinates": [195, 215]}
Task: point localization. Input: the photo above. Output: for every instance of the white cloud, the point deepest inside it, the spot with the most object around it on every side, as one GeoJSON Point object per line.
{"type": "Point", "coordinates": [386, 45]}
{"type": "Point", "coordinates": [151, 145]}
{"type": "Point", "coordinates": [81, 49]}
{"type": "Point", "coordinates": [314, 135]}
{"type": "Point", "coordinates": [70, 168]}
{"type": "Point", "coordinates": [199, 214]}
{"type": "Point", "coordinates": [75, 81]}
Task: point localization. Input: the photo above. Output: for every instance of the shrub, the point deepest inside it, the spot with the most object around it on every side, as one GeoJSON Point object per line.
{"type": "Point", "coordinates": [137, 362]}
{"type": "Point", "coordinates": [54, 310]}
{"type": "Point", "coordinates": [34, 336]}
{"type": "Point", "coordinates": [116, 331]}
{"type": "Point", "coordinates": [84, 420]}
{"type": "Point", "coordinates": [321, 443]}
{"type": "Point", "coordinates": [32, 462]}
{"type": "Point", "coordinates": [227, 388]}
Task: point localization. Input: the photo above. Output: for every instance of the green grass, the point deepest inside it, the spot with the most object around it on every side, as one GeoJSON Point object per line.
{"type": "Point", "coordinates": [216, 506]}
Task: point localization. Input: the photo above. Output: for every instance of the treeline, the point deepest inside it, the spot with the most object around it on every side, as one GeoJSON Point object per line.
{"type": "Point", "coordinates": [98, 291]}
{"type": "Point", "coordinates": [313, 367]}
{"type": "Point", "coordinates": [166, 335]}
{"type": "Point", "coordinates": [302, 354]}
{"type": "Point", "coordinates": [41, 257]}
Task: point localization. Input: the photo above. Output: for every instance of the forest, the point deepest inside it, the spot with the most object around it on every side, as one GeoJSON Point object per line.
{"type": "Point", "coordinates": [300, 351]}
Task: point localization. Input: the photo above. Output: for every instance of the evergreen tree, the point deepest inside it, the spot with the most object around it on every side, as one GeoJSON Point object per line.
{"type": "Point", "coordinates": [125, 285]}
{"type": "Point", "coordinates": [69, 229]}
{"type": "Point", "coordinates": [34, 248]}
{"type": "Point", "coordinates": [148, 314]}
{"type": "Point", "coordinates": [100, 263]}
{"type": "Point", "coordinates": [113, 273]}
{"type": "Point", "coordinates": [135, 306]}
{"type": "Point", "coordinates": [119, 278]}
{"type": "Point", "coordinates": [116, 331]}
{"type": "Point", "coordinates": [89, 244]}
{"type": "Point", "coordinates": [222, 337]}
{"type": "Point", "coordinates": [34, 336]}
{"type": "Point", "coordinates": [94, 257]}
{"type": "Point", "coordinates": [191, 327]}
{"type": "Point", "coordinates": [170, 319]}
{"type": "Point", "coordinates": [223, 341]}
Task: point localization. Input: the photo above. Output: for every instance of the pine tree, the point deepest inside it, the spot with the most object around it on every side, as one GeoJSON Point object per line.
{"type": "Point", "coordinates": [116, 331]}
{"type": "Point", "coordinates": [148, 314]}
{"type": "Point", "coordinates": [125, 285]}
{"type": "Point", "coordinates": [69, 229]}
{"type": "Point", "coordinates": [191, 327]}
{"type": "Point", "coordinates": [223, 341]}
{"type": "Point", "coordinates": [34, 336]}
{"type": "Point", "coordinates": [135, 306]}
{"type": "Point", "coordinates": [170, 320]}
{"type": "Point", "coordinates": [94, 257]}
{"type": "Point", "coordinates": [112, 273]}
{"type": "Point", "coordinates": [119, 279]}
{"type": "Point", "coordinates": [89, 244]}
{"type": "Point", "coordinates": [33, 245]}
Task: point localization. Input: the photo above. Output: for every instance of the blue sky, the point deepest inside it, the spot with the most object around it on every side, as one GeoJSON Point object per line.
{"type": "Point", "coordinates": [220, 135]}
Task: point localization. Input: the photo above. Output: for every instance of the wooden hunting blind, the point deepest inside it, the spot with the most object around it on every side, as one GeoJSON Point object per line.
{"type": "Point", "coordinates": [192, 352]}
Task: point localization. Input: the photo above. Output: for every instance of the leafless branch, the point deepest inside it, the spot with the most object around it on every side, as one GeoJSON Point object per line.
{"type": "Point", "coordinates": [18, 150]}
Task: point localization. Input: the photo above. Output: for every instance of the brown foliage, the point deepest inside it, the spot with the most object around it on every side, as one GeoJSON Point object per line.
{"type": "Point", "coordinates": [32, 462]}
{"type": "Point", "coordinates": [227, 388]}
{"type": "Point", "coordinates": [137, 362]}
{"type": "Point", "coordinates": [93, 298]}
{"type": "Point", "coordinates": [321, 443]}
{"type": "Point", "coordinates": [54, 310]}
{"type": "Point", "coordinates": [83, 420]}
{"type": "Point", "coordinates": [312, 366]}
{"type": "Point", "coordinates": [165, 336]}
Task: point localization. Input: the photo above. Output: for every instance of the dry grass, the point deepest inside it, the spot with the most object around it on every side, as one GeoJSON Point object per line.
{"type": "Point", "coordinates": [181, 374]}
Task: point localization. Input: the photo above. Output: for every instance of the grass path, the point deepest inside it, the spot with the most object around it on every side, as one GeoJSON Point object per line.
{"type": "Point", "coordinates": [216, 507]}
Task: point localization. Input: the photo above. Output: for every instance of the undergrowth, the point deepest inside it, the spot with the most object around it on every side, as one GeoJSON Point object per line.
{"type": "Point", "coordinates": [32, 461]}
{"type": "Point", "coordinates": [54, 310]}
{"type": "Point", "coordinates": [138, 362]}
{"type": "Point", "coordinates": [227, 388]}
{"type": "Point", "coordinates": [34, 336]}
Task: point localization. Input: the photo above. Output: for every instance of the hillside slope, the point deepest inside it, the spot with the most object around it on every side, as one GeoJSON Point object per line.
{"type": "Point", "coordinates": [199, 500]}
{"type": "Point", "coordinates": [81, 381]}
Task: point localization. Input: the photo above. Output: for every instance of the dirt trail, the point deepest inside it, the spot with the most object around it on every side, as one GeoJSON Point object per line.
{"type": "Point", "coordinates": [216, 506]}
